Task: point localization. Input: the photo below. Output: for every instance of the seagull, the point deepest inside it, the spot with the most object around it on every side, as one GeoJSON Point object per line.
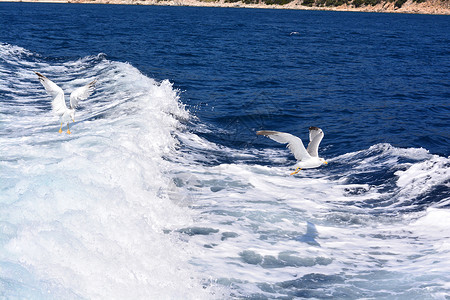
{"type": "Point", "coordinates": [59, 104]}
{"type": "Point", "coordinates": [306, 158]}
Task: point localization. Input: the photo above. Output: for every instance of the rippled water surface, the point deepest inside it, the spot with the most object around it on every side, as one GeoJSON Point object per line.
{"type": "Point", "coordinates": [164, 191]}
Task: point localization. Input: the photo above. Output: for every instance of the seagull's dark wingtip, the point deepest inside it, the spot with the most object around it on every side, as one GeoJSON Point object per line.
{"type": "Point", "coordinates": [265, 132]}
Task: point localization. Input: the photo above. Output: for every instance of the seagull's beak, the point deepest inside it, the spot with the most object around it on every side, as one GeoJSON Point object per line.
{"type": "Point", "coordinates": [325, 162]}
{"type": "Point", "coordinates": [73, 120]}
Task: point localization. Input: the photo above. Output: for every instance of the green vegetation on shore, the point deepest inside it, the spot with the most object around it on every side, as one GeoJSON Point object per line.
{"type": "Point", "coordinates": [268, 2]}
{"type": "Point", "coordinates": [325, 3]}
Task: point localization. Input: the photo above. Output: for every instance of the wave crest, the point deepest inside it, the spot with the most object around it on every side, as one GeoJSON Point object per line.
{"type": "Point", "coordinates": [92, 209]}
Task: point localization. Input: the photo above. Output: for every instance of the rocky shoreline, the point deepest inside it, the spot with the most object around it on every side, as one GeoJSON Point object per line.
{"type": "Point", "coordinates": [436, 7]}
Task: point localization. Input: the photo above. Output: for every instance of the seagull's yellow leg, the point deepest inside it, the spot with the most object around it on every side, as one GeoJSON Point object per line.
{"type": "Point", "coordinates": [60, 129]}
{"type": "Point", "coordinates": [68, 130]}
{"type": "Point", "coordinates": [296, 171]}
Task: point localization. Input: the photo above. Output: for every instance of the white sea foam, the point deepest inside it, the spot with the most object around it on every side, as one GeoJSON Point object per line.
{"type": "Point", "coordinates": [273, 231]}
{"type": "Point", "coordinates": [87, 215]}
{"type": "Point", "coordinates": [134, 205]}
{"type": "Point", "coordinates": [419, 178]}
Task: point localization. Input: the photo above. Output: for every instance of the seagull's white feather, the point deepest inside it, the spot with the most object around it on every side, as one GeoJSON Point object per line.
{"type": "Point", "coordinates": [81, 93]}
{"type": "Point", "coordinates": [315, 137]}
{"type": "Point", "coordinates": [306, 158]}
{"type": "Point", "coordinates": [295, 144]}
{"type": "Point", "coordinates": [58, 103]}
{"type": "Point", "coordinates": [59, 107]}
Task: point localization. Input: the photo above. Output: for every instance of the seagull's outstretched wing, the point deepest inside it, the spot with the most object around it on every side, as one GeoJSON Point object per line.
{"type": "Point", "coordinates": [58, 103]}
{"type": "Point", "coordinates": [81, 93]}
{"type": "Point", "coordinates": [315, 137]}
{"type": "Point", "coordinates": [295, 144]}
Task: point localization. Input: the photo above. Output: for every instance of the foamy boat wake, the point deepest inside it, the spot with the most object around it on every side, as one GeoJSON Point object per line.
{"type": "Point", "coordinates": [344, 231]}
{"type": "Point", "coordinates": [85, 216]}
{"type": "Point", "coordinates": [137, 204]}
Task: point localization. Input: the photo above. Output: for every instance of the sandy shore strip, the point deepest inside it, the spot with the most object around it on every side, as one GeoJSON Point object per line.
{"type": "Point", "coordinates": [435, 7]}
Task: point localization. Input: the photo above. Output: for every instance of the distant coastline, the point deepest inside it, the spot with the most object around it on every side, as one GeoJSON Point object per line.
{"type": "Point", "coordinates": [436, 7]}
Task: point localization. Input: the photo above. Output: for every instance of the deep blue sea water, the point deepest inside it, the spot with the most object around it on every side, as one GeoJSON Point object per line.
{"type": "Point", "coordinates": [164, 191]}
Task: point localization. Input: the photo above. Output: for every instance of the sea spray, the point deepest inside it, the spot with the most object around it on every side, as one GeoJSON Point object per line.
{"type": "Point", "coordinates": [88, 215]}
